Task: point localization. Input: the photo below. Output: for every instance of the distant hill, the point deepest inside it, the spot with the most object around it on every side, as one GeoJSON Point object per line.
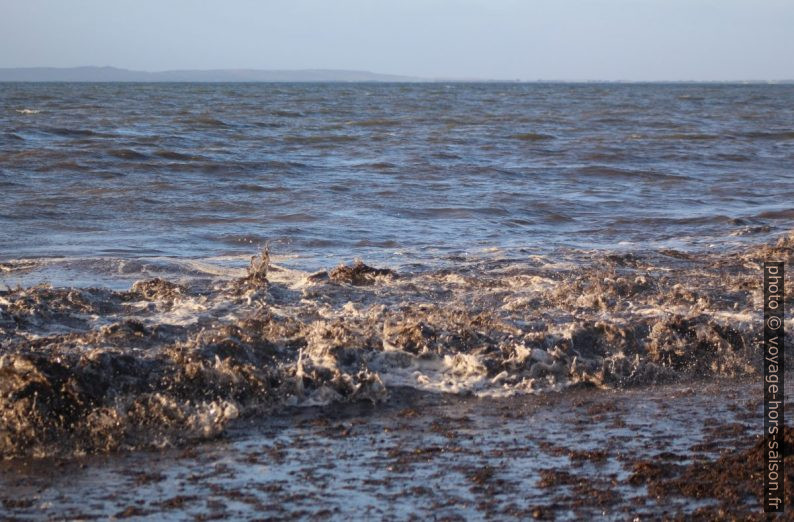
{"type": "Point", "coordinates": [113, 74]}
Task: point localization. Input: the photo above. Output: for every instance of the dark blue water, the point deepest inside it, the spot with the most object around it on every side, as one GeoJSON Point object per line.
{"type": "Point", "coordinates": [388, 172]}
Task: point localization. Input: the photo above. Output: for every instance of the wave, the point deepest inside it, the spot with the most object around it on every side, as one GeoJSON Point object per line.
{"type": "Point", "coordinates": [694, 136]}
{"type": "Point", "coordinates": [294, 217]}
{"type": "Point", "coordinates": [179, 156]}
{"type": "Point", "coordinates": [253, 187]}
{"type": "Point", "coordinates": [615, 172]}
{"type": "Point", "coordinates": [376, 122]}
{"type": "Point", "coordinates": [76, 133]}
{"type": "Point", "coordinates": [319, 139]}
{"type": "Point", "coordinates": [378, 165]}
{"type": "Point", "coordinates": [784, 135]}
{"type": "Point", "coordinates": [455, 212]}
{"type": "Point", "coordinates": [287, 114]}
{"type": "Point", "coordinates": [127, 154]}
{"type": "Point", "coordinates": [532, 136]}
{"type": "Point", "coordinates": [207, 121]}
{"type": "Point", "coordinates": [787, 213]}
{"type": "Point", "coordinates": [762, 135]}
{"type": "Point", "coordinates": [689, 220]}
{"type": "Point", "coordinates": [92, 370]}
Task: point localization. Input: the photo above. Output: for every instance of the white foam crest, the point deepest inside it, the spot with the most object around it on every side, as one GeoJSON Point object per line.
{"type": "Point", "coordinates": [457, 374]}
{"type": "Point", "coordinates": [205, 267]}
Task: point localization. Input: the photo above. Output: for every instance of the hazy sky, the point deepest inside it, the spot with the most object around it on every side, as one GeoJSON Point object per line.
{"type": "Point", "coordinates": [504, 39]}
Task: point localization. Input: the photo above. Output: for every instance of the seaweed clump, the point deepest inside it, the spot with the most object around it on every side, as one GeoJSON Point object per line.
{"type": "Point", "coordinates": [157, 289]}
{"type": "Point", "coordinates": [733, 479]}
{"type": "Point", "coordinates": [360, 274]}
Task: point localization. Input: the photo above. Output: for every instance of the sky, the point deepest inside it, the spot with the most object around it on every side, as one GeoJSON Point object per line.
{"type": "Point", "coordinates": [641, 40]}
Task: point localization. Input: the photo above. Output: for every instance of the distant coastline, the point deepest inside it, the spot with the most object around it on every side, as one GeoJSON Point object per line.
{"type": "Point", "coordinates": [91, 74]}
{"type": "Point", "coordinates": [114, 74]}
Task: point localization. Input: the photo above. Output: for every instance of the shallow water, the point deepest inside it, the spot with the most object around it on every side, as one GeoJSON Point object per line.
{"type": "Point", "coordinates": [561, 457]}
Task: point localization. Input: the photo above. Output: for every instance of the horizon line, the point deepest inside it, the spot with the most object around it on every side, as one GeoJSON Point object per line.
{"type": "Point", "coordinates": [398, 78]}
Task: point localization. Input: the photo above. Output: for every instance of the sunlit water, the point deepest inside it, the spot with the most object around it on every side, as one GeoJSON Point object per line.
{"type": "Point", "coordinates": [526, 239]}
{"type": "Point", "coordinates": [102, 175]}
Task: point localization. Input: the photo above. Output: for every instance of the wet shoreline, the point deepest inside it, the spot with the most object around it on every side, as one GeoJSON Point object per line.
{"type": "Point", "coordinates": [580, 453]}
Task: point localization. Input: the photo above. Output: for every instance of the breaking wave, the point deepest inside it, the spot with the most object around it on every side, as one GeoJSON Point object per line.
{"type": "Point", "coordinates": [93, 370]}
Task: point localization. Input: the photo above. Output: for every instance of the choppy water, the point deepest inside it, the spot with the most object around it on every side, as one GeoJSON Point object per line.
{"type": "Point", "coordinates": [392, 173]}
{"type": "Point", "coordinates": [526, 237]}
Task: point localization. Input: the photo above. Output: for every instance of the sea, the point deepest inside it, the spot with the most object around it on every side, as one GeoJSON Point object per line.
{"type": "Point", "coordinates": [104, 182]}
{"type": "Point", "coordinates": [182, 259]}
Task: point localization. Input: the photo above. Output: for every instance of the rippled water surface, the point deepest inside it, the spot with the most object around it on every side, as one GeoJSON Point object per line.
{"type": "Point", "coordinates": [395, 173]}
{"type": "Point", "coordinates": [517, 239]}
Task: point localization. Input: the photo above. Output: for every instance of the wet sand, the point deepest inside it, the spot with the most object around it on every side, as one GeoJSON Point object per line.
{"type": "Point", "coordinates": [652, 452]}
